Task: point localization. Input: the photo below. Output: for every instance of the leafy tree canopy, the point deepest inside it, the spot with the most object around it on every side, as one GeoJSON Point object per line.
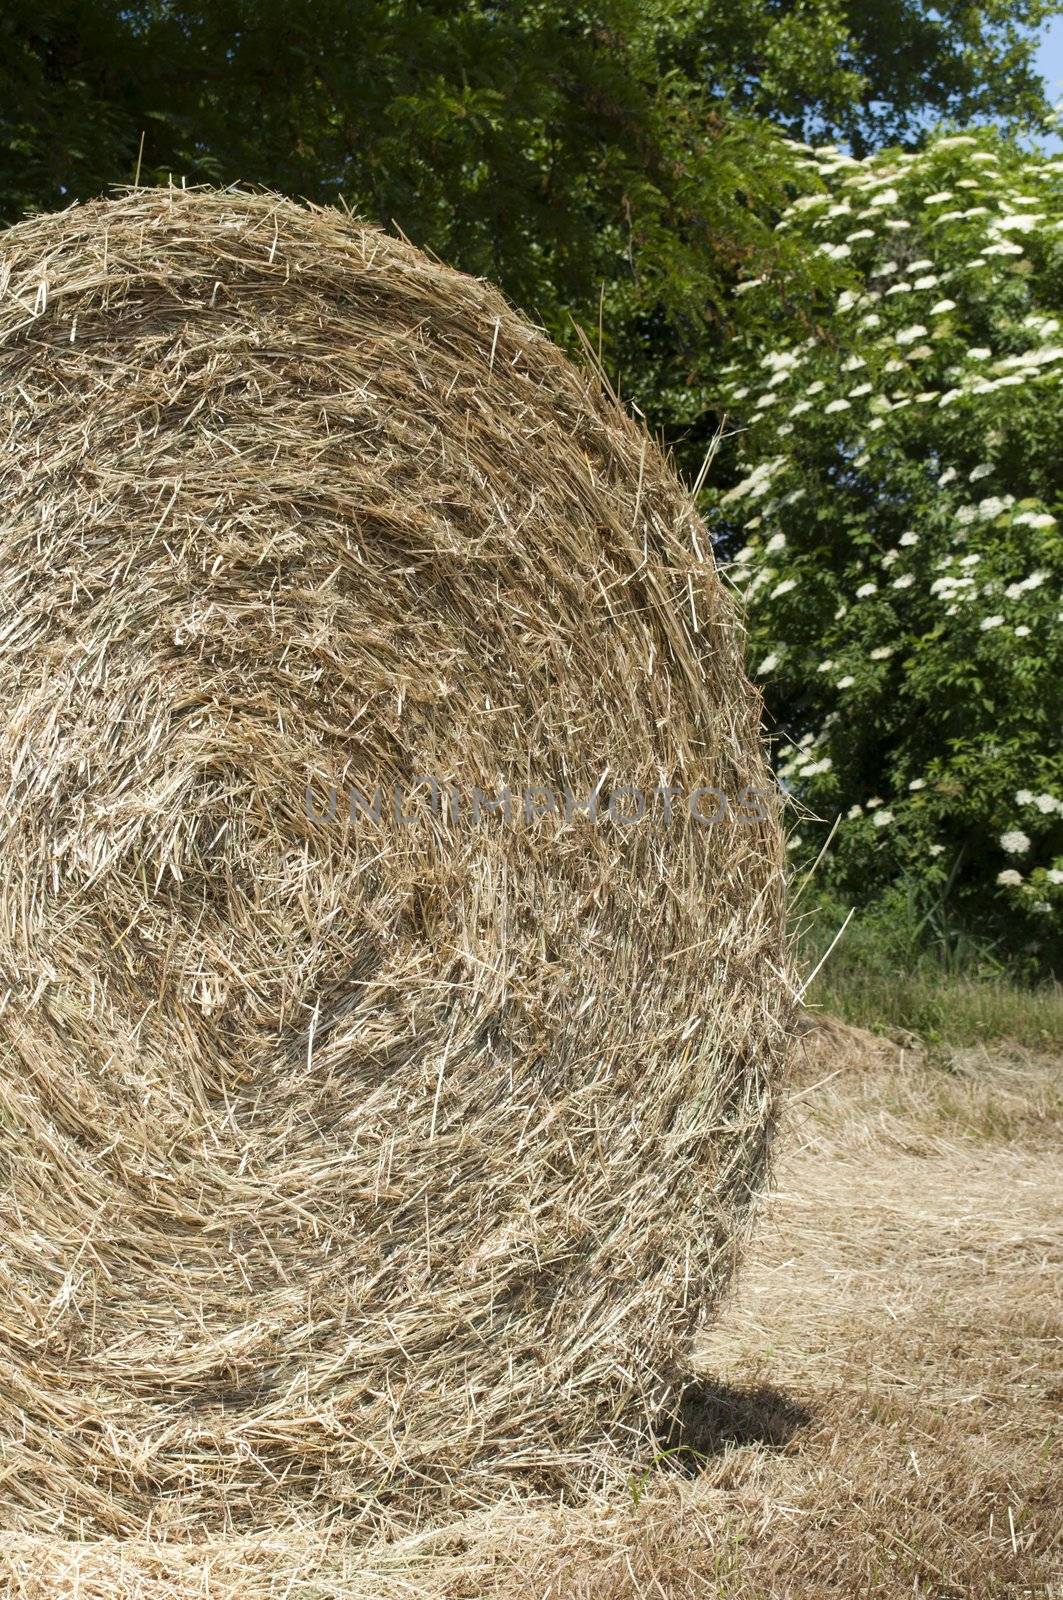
{"type": "Point", "coordinates": [553, 147]}
{"type": "Point", "coordinates": [869, 72]}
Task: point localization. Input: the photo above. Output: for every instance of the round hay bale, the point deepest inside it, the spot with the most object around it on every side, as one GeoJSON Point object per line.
{"type": "Point", "coordinates": [385, 1153]}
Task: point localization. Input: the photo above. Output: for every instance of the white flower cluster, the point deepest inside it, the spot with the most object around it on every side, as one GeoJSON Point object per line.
{"type": "Point", "coordinates": [923, 401]}
{"type": "Point", "coordinates": [1046, 804]}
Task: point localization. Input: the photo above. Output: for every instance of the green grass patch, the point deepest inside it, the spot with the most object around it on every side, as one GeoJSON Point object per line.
{"type": "Point", "coordinates": [887, 975]}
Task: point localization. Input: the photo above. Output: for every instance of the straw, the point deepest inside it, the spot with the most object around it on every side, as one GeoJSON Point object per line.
{"type": "Point", "coordinates": [351, 1164]}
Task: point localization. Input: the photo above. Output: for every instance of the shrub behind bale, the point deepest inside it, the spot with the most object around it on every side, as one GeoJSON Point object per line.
{"type": "Point", "coordinates": [365, 1138]}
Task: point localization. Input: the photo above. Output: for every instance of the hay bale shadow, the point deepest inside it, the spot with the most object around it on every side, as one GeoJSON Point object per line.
{"type": "Point", "coordinates": [713, 1417]}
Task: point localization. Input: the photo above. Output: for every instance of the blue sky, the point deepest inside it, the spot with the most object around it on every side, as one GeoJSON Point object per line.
{"type": "Point", "coordinates": [1050, 58]}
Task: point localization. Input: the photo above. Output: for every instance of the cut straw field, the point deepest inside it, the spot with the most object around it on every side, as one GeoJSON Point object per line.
{"type": "Point", "coordinates": [880, 1403]}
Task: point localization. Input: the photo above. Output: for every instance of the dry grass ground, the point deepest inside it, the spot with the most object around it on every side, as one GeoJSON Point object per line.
{"type": "Point", "coordinates": [881, 1397]}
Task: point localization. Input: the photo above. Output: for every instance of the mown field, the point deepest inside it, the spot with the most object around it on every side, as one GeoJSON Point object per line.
{"type": "Point", "coordinates": [880, 1404]}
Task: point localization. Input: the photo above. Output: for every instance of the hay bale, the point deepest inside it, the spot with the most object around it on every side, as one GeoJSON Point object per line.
{"type": "Point", "coordinates": [359, 1159]}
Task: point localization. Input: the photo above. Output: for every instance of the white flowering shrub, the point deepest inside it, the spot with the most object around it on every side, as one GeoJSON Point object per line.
{"type": "Point", "coordinates": [893, 530]}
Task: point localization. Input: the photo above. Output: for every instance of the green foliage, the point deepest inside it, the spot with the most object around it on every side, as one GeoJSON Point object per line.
{"type": "Point", "coordinates": [437, 115]}
{"type": "Point", "coordinates": [894, 974]}
{"type": "Point", "coordinates": [867, 71]}
{"type": "Point", "coordinates": [570, 153]}
{"type": "Point", "coordinates": [902, 559]}
{"type": "Point", "coordinates": [610, 158]}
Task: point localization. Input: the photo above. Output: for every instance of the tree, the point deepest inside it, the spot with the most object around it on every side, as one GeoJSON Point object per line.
{"type": "Point", "coordinates": [871, 72]}
{"type": "Point", "coordinates": [901, 445]}
{"type": "Point", "coordinates": [613, 164]}
{"type": "Point", "coordinates": [560, 150]}
{"type": "Point", "coordinates": [290, 93]}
